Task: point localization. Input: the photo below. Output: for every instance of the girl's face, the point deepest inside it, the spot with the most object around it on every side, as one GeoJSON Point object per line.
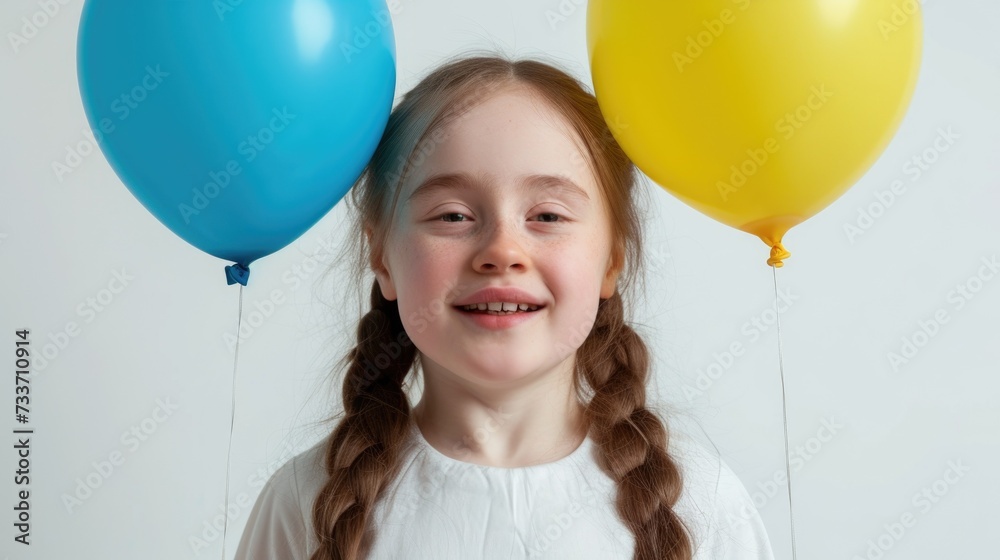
{"type": "Point", "coordinates": [502, 197]}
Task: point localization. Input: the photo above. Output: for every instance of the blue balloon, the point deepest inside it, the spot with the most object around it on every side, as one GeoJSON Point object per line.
{"type": "Point", "coordinates": [238, 124]}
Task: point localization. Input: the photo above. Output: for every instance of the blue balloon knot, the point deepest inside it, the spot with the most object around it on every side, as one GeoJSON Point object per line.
{"type": "Point", "coordinates": [237, 273]}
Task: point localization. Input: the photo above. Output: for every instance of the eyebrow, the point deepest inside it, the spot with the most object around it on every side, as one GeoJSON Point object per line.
{"type": "Point", "coordinates": [448, 181]}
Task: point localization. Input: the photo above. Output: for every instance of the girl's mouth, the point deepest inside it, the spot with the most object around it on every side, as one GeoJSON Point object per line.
{"type": "Point", "coordinates": [498, 309]}
{"type": "Point", "coordinates": [498, 319]}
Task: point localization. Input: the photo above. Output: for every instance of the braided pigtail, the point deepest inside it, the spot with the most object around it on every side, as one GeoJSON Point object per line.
{"type": "Point", "coordinates": [362, 457]}
{"type": "Point", "coordinates": [631, 439]}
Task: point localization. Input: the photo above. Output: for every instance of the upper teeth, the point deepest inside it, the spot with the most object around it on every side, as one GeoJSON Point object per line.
{"type": "Point", "coordinates": [500, 306]}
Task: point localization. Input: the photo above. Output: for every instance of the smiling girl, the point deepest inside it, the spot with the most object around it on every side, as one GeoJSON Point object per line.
{"type": "Point", "coordinates": [499, 218]}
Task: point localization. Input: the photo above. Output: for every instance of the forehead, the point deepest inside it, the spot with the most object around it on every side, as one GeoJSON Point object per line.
{"type": "Point", "coordinates": [512, 135]}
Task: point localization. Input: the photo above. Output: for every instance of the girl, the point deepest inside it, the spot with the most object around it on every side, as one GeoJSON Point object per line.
{"type": "Point", "coordinates": [497, 215]}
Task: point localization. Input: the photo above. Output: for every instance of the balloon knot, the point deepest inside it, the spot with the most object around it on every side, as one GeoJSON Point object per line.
{"type": "Point", "coordinates": [237, 273]}
{"type": "Point", "coordinates": [778, 253]}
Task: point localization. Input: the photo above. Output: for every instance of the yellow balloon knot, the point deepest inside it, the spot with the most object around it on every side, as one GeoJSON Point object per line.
{"type": "Point", "coordinates": [778, 253]}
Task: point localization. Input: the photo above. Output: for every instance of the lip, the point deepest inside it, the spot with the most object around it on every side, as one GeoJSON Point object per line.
{"type": "Point", "coordinates": [500, 294]}
{"type": "Point", "coordinates": [508, 294]}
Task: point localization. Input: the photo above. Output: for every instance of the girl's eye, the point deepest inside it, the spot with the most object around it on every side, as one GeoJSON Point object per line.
{"type": "Point", "coordinates": [546, 217]}
{"type": "Point", "coordinates": [449, 214]}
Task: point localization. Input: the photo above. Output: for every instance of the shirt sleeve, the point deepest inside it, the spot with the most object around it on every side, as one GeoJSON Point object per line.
{"type": "Point", "coordinates": [736, 530]}
{"type": "Point", "coordinates": [276, 529]}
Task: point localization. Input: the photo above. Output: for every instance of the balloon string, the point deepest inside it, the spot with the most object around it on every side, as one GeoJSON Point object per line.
{"type": "Point", "coordinates": [784, 413]}
{"type": "Point", "coordinates": [232, 416]}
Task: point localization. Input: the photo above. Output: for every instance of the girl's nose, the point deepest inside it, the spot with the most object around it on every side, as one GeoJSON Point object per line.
{"type": "Point", "coordinates": [500, 251]}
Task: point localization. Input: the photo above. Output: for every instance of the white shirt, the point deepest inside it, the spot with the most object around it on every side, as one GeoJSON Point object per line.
{"type": "Point", "coordinates": [442, 508]}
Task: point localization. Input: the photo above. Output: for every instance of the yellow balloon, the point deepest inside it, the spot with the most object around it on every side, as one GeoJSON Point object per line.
{"type": "Point", "coordinates": [757, 113]}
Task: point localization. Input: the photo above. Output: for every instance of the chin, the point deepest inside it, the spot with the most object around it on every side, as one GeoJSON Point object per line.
{"type": "Point", "coordinates": [502, 371]}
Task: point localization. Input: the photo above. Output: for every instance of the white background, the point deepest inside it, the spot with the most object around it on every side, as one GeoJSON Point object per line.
{"type": "Point", "coordinates": [163, 337]}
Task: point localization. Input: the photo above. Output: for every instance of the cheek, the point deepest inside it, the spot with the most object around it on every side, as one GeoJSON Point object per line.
{"type": "Point", "coordinates": [576, 274]}
{"type": "Point", "coordinates": [574, 324]}
{"type": "Point", "coordinates": [580, 264]}
{"type": "Point", "coordinates": [430, 267]}
{"type": "Point", "coordinates": [421, 308]}
{"type": "Point", "coordinates": [425, 285]}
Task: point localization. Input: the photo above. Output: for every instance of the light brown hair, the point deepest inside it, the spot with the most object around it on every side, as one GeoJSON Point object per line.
{"type": "Point", "coordinates": [362, 455]}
